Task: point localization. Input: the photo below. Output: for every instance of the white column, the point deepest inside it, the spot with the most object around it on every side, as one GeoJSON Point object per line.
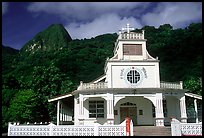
{"type": "Point", "coordinates": [110, 109]}
{"type": "Point", "coordinates": [196, 109]}
{"type": "Point", "coordinates": [143, 34]}
{"type": "Point", "coordinates": [181, 84]}
{"type": "Point", "coordinates": [58, 111]}
{"type": "Point", "coordinates": [183, 109]}
{"type": "Point", "coordinates": [63, 109]}
{"type": "Point", "coordinates": [61, 112]}
{"type": "Point", "coordinates": [81, 109]}
{"type": "Point", "coordinates": [159, 110]}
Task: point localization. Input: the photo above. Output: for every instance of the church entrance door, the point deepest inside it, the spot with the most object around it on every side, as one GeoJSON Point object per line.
{"type": "Point", "coordinates": [130, 112]}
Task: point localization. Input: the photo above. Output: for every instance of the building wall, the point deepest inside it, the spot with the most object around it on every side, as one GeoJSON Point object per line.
{"type": "Point", "coordinates": [88, 120]}
{"type": "Point", "coordinates": [117, 71]}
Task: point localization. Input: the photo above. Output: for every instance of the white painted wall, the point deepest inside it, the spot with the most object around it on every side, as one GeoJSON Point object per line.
{"type": "Point", "coordinates": [116, 74]}
{"type": "Point", "coordinates": [173, 108]}
{"type": "Point", "coordinates": [87, 120]}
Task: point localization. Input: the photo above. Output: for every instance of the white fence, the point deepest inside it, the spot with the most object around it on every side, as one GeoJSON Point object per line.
{"type": "Point", "coordinates": [185, 129]}
{"type": "Point", "coordinates": [68, 130]}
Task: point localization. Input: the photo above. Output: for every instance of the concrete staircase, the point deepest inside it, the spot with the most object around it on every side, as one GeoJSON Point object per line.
{"type": "Point", "coordinates": [152, 131]}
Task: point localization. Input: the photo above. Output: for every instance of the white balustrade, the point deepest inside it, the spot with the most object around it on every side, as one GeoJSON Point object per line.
{"type": "Point", "coordinates": [131, 35]}
{"type": "Point", "coordinates": [171, 85]}
{"type": "Point", "coordinates": [100, 85]}
{"type": "Point", "coordinates": [185, 129]}
{"type": "Point", "coordinates": [191, 129]}
{"type": "Point", "coordinates": [67, 130]}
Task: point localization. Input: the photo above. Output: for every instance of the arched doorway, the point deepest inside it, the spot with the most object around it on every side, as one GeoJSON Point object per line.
{"type": "Point", "coordinates": [128, 110]}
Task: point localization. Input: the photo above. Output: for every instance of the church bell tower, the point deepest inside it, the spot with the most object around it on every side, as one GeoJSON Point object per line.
{"type": "Point", "coordinates": [132, 66]}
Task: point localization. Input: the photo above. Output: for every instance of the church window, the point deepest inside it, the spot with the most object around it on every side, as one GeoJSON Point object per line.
{"type": "Point", "coordinates": [133, 76]}
{"type": "Point", "coordinates": [96, 109]}
{"type": "Point", "coordinates": [132, 49]}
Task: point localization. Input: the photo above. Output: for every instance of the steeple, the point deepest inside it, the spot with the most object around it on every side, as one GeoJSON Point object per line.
{"type": "Point", "coordinates": [130, 45]}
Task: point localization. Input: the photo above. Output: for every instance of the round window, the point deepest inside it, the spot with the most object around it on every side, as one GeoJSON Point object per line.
{"type": "Point", "coordinates": [133, 76]}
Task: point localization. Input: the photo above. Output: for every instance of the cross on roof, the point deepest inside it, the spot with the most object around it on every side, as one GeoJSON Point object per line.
{"type": "Point", "coordinates": [128, 28]}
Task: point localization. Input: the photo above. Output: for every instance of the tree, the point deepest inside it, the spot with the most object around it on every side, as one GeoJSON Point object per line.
{"type": "Point", "coordinates": [48, 82]}
{"type": "Point", "coordinates": [24, 107]}
{"type": "Point", "coordinates": [194, 84]}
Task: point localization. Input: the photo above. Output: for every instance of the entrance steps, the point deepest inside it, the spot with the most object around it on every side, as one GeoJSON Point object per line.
{"type": "Point", "coordinates": [152, 130]}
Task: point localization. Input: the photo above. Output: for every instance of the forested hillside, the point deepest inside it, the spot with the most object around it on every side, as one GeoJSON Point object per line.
{"type": "Point", "coordinates": [52, 63]}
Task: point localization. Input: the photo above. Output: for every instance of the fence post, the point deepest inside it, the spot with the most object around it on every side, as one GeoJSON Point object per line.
{"type": "Point", "coordinates": [9, 127]}
{"type": "Point", "coordinates": [96, 133]}
{"type": "Point", "coordinates": [131, 128]}
{"type": "Point", "coordinates": [175, 127]}
{"type": "Point", "coordinates": [127, 119]}
{"type": "Point", "coordinates": [51, 128]}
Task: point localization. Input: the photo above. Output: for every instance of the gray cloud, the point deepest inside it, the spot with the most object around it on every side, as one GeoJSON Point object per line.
{"type": "Point", "coordinates": [108, 23]}
{"type": "Point", "coordinates": [4, 7]}
{"type": "Point", "coordinates": [87, 10]}
{"type": "Point", "coordinates": [178, 14]}
{"type": "Point", "coordinates": [89, 19]}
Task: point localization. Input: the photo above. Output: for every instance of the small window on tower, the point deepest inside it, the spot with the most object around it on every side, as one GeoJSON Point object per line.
{"type": "Point", "coordinates": [132, 49]}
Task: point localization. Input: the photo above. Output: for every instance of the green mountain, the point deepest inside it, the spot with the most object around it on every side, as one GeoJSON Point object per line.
{"type": "Point", "coordinates": [55, 37]}
{"type": "Point", "coordinates": [8, 55]}
{"type": "Point", "coordinates": [6, 50]}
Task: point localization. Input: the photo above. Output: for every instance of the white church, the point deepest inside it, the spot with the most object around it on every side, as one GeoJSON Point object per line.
{"type": "Point", "coordinates": [130, 87]}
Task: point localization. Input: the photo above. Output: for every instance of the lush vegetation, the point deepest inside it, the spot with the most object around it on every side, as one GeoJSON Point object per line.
{"type": "Point", "coordinates": [51, 64]}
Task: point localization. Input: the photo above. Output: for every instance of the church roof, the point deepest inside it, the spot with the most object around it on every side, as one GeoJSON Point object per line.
{"type": "Point", "coordinates": [196, 96]}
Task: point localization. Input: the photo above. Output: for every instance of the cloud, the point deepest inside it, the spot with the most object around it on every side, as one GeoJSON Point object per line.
{"type": "Point", "coordinates": [4, 7]}
{"type": "Point", "coordinates": [107, 23]}
{"type": "Point", "coordinates": [178, 14]}
{"type": "Point", "coordinates": [87, 11]}
{"type": "Point", "coordinates": [89, 19]}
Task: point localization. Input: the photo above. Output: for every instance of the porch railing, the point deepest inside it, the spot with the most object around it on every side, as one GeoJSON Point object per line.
{"type": "Point", "coordinates": [101, 85]}
{"type": "Point", "coordinates": [171, 85]}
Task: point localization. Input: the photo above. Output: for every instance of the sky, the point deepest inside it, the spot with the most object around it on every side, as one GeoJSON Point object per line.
{"type": "Point", "coordinates": [21, 21]}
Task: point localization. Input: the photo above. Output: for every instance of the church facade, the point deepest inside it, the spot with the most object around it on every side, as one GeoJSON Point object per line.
{"type": "Point", "coordinates": [130, 87]}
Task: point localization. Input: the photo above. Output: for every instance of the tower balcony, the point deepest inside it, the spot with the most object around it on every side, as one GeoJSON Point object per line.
{"type": "Point", "coordinates": [131, 36]}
